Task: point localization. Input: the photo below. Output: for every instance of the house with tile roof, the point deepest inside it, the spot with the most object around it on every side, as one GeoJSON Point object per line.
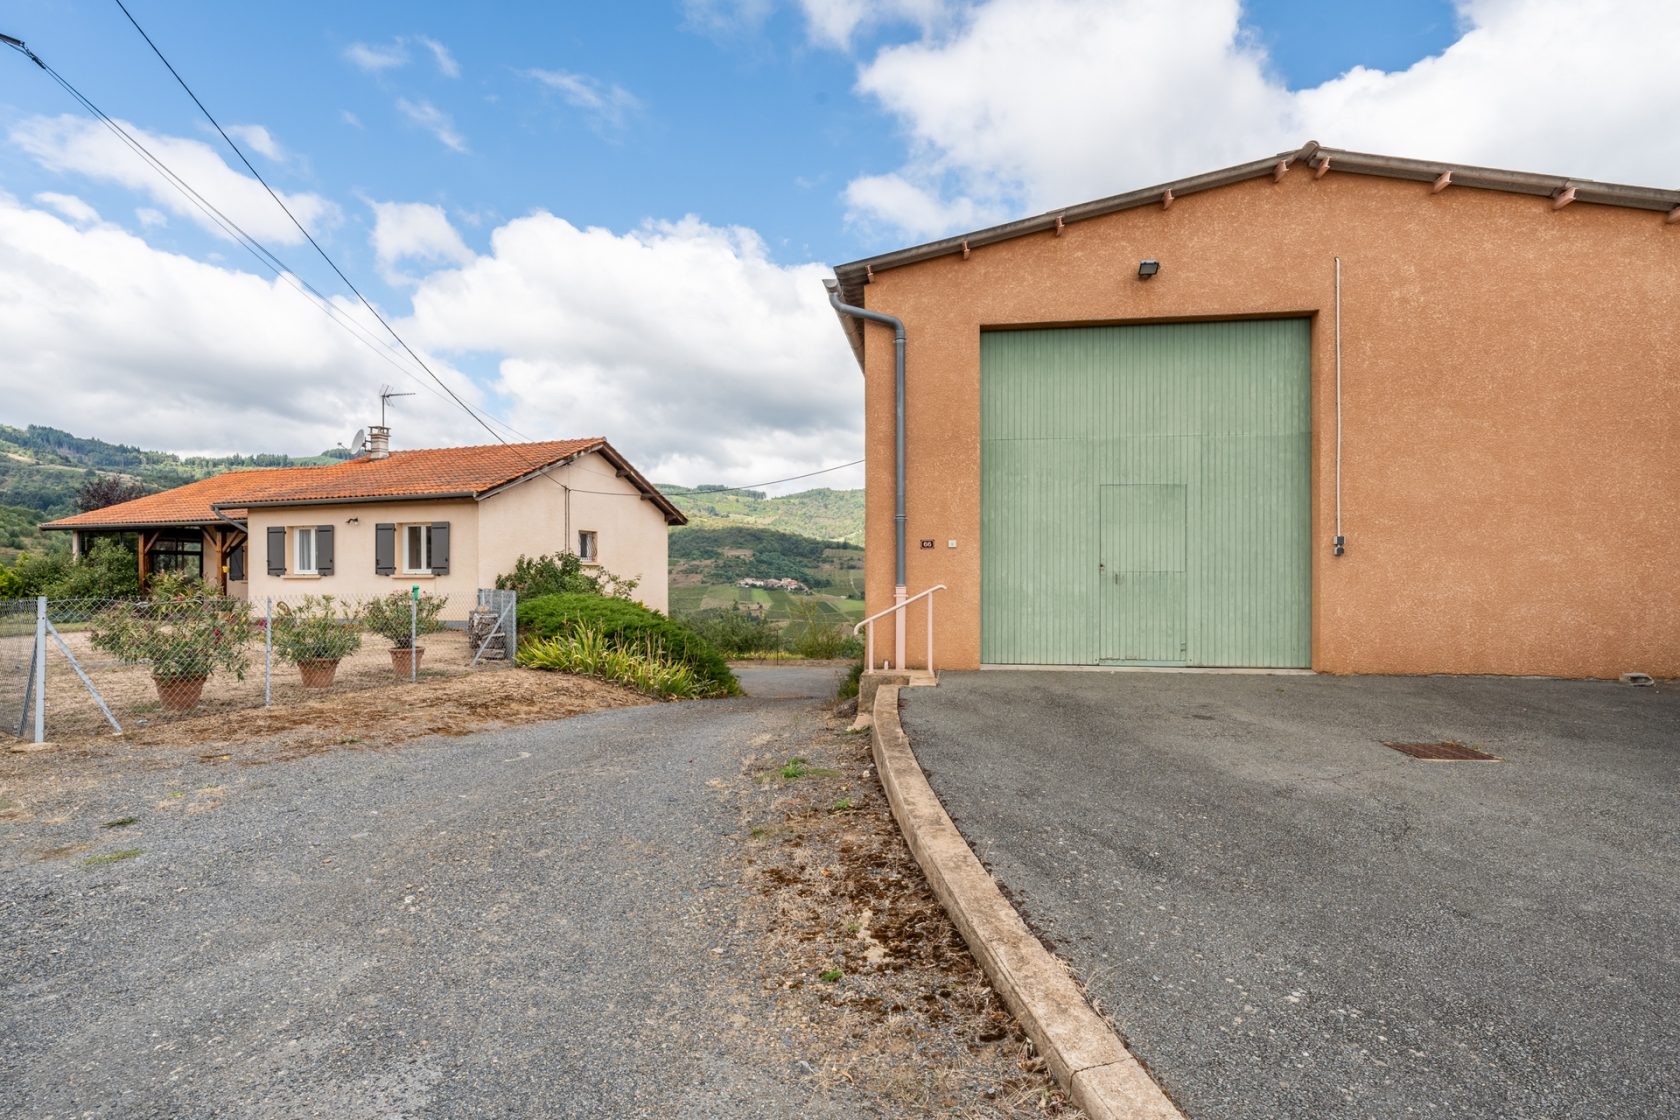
{"type": "Point", "coordinates": [447, 519]}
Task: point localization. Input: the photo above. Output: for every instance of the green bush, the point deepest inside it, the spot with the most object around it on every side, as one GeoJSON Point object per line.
{"type": "Point", "coordinates": [849, 687]}
{"type": "Point", "coordinates": [390, 616]}
{"type": "Point", "coordinates": [561, 573]}
{"type": "Point", "coordinates": [107, 570]}
{"type": "Point", "coordinates": [735, 632]}
{"type": "Point", "coordinates": [625, 624]}
{"type": "Point", "coordinates": [320, 628]}
{"type": "Point", "coordinates": [34, 574]}
{"type": "Point", "coordinates": [643, 665]}
{"type": "Point", "coordinates": [820, 640]}
{"type": "Point", "coordinates": [184, 631]}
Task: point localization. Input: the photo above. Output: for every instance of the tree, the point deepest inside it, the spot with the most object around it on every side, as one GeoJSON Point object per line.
{"type": "Point", "coordinates": [101, 490]}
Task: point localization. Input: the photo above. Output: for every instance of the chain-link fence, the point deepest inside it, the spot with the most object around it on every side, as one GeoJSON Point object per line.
{"type": "Point", "coordinates": [76, 667]}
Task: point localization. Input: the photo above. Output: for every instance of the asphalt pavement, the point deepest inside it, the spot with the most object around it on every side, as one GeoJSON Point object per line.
{"type": "Point", "coordinates": [1288, 919]}
{"type": "Point", "coordinates": [528, 922]}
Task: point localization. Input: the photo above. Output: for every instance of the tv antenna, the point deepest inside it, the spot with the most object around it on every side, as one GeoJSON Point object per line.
{"type": "Point", "coordinates": [385, 395]}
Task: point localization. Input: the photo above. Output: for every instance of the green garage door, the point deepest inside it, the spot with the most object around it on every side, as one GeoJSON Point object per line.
{"type": "Point", "coordinates": [1144, 495]}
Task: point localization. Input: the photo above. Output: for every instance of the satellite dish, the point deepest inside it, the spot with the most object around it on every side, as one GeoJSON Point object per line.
{"type": "Point", "coordinates": [358, 441]}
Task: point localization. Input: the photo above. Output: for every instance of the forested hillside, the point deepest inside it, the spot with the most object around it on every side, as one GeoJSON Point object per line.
{"type": "Point", "coordinates": [41, 470]}
{"type": "Point", "coordinates": [830, 515]}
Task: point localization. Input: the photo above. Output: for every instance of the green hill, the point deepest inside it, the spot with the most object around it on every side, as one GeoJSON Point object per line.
{"type": "Point", "coordinates": [830, 515]}
{"type": "Point", "coordinates": [42, 468]}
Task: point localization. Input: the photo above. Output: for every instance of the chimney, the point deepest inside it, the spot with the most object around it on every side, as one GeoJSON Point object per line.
{"type": "Point", "coordinates": [378, 442]}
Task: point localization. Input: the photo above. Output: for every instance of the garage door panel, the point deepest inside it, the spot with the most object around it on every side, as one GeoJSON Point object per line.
{"type": "Point", "coordinates": [1218, 411]}
{"type": "Point", "coordinates": [1142, 574]}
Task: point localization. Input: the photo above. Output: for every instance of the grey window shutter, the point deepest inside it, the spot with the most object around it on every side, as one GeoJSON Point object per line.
{"type": "Point", "coordinates": [384, 549]}
{"type": "Point", "coordinates": [276, 550]}
{"type": "Point", "coordinates": [324, 549]}
{"type": "Point", "coordinates": [438, 547]}
{"type": "Point", "coordinates": [236, 564]}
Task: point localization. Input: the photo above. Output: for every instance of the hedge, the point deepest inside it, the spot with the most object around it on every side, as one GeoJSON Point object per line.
{"type": "Point", "coordinates": [624, 623]}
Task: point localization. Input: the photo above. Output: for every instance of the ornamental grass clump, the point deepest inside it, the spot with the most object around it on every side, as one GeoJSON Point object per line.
{"type": "Point", "coordinates": [643, 665]}
{"type": "Point", "coordinates": [628, 625]}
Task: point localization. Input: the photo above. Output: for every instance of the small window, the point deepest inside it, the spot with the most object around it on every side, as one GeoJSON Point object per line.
{"type": "Point", "coordinates": [303, 552]}
{"type": "Point", "coordinates": [417, 550]}
{"type": "Point", "coordinates": [586, 546]}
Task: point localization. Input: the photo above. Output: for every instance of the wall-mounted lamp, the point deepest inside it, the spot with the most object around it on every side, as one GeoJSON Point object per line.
{"type": "Point", "coordinates": [354, 521]}
{"type": "Point", "coordinates": [1146, 269]}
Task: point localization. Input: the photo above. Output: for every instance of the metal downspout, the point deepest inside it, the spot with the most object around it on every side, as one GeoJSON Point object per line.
{"type": "Point", "coordinates": [900, 590]}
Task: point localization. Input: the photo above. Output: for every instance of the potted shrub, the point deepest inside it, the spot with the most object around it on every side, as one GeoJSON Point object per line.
{"type": "Point", "coordinates": [185, 631]}
{"type": "Point", "coordinates": [316, 634]}
{"type": "Point", "coordinates": [390, 617]}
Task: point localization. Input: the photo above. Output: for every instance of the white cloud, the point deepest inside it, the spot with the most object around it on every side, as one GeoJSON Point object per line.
{"type": "Point", "coordinates": [414, 231]}
{"type": "Point", "coordinates": [259, 140]}
{"type": "Point", "coordinates": [433, 120]}
{"type": "Point", "coordinates": [350, 118]}
{"type": "Point", "coordinates": [110, 337]}
{"type": "Point", "coordinates": [684, 343]}
{"type": "Point", "coordinates": [1021, 106]}
{"type": "Point", "coordinates": [377, 59]}
{"type": "Point", "coordinates": [150, 218]}
{"type": "Point", "coordinates": [87, 148]}
{"type": "Point", "coordinates": [700, 357]}
{"type": "Point", "coordinates": [915, 210]}
{"type": "Point", "coordinates": [725, 17]}
{"type": "Point", "coordinates": [607, 104]}
{"type": "Point", "coordinates": [446, 64]}
{"type": "Point", "coordinates": [70, 206]}
{"type": "Point", "coordinates": [834, 23]}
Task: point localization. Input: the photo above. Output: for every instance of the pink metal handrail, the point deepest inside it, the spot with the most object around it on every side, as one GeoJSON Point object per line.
{"type": "Point", "coordinates": [869, 640]}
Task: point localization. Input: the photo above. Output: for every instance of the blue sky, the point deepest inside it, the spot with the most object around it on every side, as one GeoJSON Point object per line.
{"type": "Point", "coordinates": [554, 200]}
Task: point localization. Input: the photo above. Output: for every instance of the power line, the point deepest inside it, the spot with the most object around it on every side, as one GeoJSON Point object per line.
{"type": "Point", "coordinates": [235, 232]}
{"type": "Point", "coordinates": [278, 201]}
{"type": "Point", "coordinates": [778, 481]}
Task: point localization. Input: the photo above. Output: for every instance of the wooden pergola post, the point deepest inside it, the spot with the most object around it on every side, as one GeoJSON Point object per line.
{"type": "Point", "coordinates": [145, 547]}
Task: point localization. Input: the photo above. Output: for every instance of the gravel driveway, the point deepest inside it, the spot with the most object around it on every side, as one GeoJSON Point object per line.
{"type": "Point", "coordinates": [528, 922]}
{"type": "Point", "coordinates": [1289, 919]}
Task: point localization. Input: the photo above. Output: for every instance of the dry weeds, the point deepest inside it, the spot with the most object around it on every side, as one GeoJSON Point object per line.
{"type": "Point", "coordinates": [873, 973]}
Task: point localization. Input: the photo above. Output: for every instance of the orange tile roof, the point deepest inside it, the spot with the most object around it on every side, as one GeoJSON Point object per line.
{"type": "Point", "coordinates": [454, 471]}
{"type": "Point", "coordinates": [184, 505]}
{"type": "Point", "coordinates": [458, 472]}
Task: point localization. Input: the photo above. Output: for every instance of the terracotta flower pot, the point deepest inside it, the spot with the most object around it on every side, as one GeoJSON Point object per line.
{"type": "Point", "coordinates": [318, 672]}
{"type": "Point", "coordinates": [400, 660]}
{"type": "Point", "coordinates": [178, 694]}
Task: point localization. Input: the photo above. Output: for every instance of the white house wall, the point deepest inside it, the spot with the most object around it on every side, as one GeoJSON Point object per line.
{"type": "Point", "coordinates": [531, 519]}
{"type": "Point", "coordinates": [353, 574]}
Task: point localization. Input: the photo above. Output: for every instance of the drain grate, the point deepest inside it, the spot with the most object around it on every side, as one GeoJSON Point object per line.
{"type": "Point", "coordinates": [1445, 751]}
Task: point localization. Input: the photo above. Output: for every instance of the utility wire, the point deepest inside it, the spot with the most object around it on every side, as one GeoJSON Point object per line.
{"type": "Point", "coordinates": [278, 201]}
{"type": "Point", "coordinates": [778, 481]}
{"type": "Point", "coordinates": [274, 264]}
{"type": "Point", "coordinates": [262, 254]}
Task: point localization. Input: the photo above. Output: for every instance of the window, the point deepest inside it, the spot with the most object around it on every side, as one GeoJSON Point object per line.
{"type": "Point", "coordinates": [177, 552]}
{"type": "Point", "coordinates": [303, 552]}
{"type": "Point", "coordinates": [417, 550]}
{"type": "Point", "coordinates": [586, 546]}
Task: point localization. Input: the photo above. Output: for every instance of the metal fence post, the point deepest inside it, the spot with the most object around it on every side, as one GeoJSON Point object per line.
{"type": "Point", "coordinates": [268, 651]}
{"type": "Point", "coordinates": [413, 635]}
{"type": "Point", "coordinates": [40, 668]}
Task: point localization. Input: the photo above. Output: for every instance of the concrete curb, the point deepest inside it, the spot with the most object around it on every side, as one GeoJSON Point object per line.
{"type": "Point", "coordinates": [1086, 1057]}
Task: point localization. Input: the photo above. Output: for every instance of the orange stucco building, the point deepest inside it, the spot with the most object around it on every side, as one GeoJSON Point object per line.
{"type": "Point", "coordinates": [1506, 404]}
